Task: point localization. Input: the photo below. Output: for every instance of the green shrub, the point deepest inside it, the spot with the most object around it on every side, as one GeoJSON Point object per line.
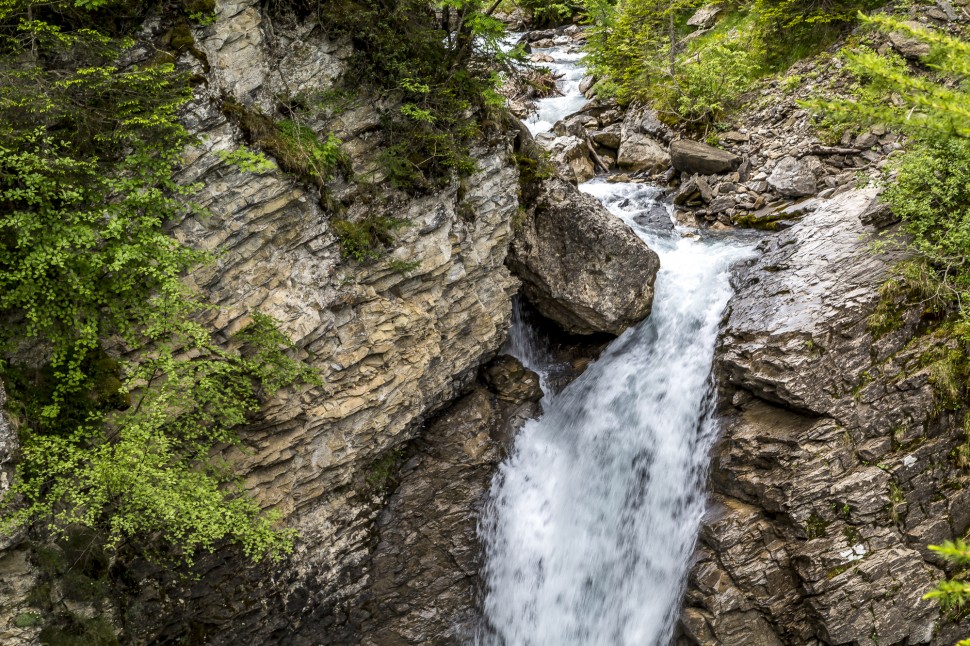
{"type": "Point", "coordinates": [294, 145]}
{"type": "Point", "coordinates": [640, 50]}
{"type": "Point", "coordinates": [550, 12]}
{"type": "Point", "coordinates": [708, 84]}
{"type": "Point", "coordinates": [923, 105]}
{"type": "Point", "coordinates": [403, 267]}
{"type": "Point", "coordinates": [381, 473]}
{"type": "Point", "coordinates": [444, 79]}
{"type": "Point", "coordinates": [793, 29]}
{"type": "Point", "coordinates": [366, 240]}
{"type": "Point", "coordinates": [88, 151]}
{"type": "Point", "coordinates": [74, 630]}
{"type": "Point", "coordinates": [27, 620]}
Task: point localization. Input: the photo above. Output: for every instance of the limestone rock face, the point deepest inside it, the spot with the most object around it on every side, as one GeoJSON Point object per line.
{"type": "Point", "coordinates": [691, 157]}
{"type": "Point", "coordinates": [392, 347]}
{"type": "Point", "coordinates": [705, 17]}
{"type": "Point", "coordinates": [425, 567]}
{"type": "Point", "coordinates": [829, 480]}
{"type": "Point", "coordinates": [580, 265]}
{"type": "Point", "coordinates": [792, 178]}
{"type": "Point", "coordinates": [907, 45]}
{"type": "Point", "coordinates": [570, 155]}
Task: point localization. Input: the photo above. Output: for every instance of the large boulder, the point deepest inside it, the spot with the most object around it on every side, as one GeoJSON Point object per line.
{"type": "Point", "coordinates": [570, 154]}
{"type": "Point", "coordinates": [609, 137]}
{"type": "Point", "coordinates": [689, 156]}
{"type": "Point", "coordinates": [640, 152]}
{"type": "Point", "coordinates": [639, 149]}
{"type": "Point", "coordinates": [793, 178]}
{"type": "Point", "coordinates": [581, 266]}
{"type": "Point", "coordinates": [908, 46]}
{"type": "Point", "coordinates": [694, 192]}
{"type": "Point", "coordinates": [705, 17]}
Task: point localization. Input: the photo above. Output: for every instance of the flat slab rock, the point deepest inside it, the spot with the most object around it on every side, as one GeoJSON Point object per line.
{"type": "Point", "coordinates": [691, 157]}
{"type": "Point", "coordinates": [580, 265]}
{"type": "Point", "coordinates": [814, 281]}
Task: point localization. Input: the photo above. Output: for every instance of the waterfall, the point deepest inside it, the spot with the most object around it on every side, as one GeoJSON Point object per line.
{"type": "Point", "coordinates": [528, 346]}
{"type": "Point", "coordinates": [593, 516]}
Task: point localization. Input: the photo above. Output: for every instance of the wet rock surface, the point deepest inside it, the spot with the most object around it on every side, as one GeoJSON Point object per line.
{"type": "Point", "coordinates": [834, 470]}
{"type": "Point", "coordinates": [581, 266]}
{"type": "Point", "coordinates": [424, 571]}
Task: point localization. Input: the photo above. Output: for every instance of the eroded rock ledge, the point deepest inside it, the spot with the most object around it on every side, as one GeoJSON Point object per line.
{"type": "Point", "coordinates": [834, 471]}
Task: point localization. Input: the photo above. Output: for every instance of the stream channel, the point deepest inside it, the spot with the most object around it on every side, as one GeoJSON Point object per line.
{"type": "Point", "coordinates": [592, 518]}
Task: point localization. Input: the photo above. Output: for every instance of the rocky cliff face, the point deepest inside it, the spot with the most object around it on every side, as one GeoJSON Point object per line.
{"type": "Point", "coordinates": [392, 347]}
{"type": "Point", "coordinates": [383, 493]}
{"type": "Point", "coordinates": [836, 466]}
{"type": "Point", "coordinates": [17, 575]}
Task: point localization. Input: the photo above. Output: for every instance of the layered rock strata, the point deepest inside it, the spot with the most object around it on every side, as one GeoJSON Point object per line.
{"type": "Point", "coordinates": [424, 570]}
{"type": "Point", "coordinates": [393, 346]}
{"type": "Point", "coordinates": [836, 466]}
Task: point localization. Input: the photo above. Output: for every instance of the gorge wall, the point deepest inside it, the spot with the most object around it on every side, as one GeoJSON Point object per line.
{"type": "Point", "coordinates": [837, 465]}
{"type": "Point", "coordinates": [392, 347]}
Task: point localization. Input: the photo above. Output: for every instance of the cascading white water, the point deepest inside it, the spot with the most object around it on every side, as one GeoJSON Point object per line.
{"type": "Point", "coordinates": [567, 67]}
{"type": "Point", "coordinates": [593, 516]}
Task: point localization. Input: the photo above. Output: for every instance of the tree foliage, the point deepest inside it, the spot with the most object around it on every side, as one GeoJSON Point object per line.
{"type": "Point", "coordinates": [88, 149]}
{"type": "Point", "coordinates": [643, 50]}
{"type": "Point", "coordinates": [439, 62]}
{"type": "Point", "coordinates": [928, 106]}
{"type": "Point", "coordinates": [546, 13]}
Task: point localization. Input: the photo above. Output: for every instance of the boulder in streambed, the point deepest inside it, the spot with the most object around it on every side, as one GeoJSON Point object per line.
{"type": "Point", "coordinates": [691, 157]}
{"type": "Point", "coordinates": [793, 178]}
{"type": "Point", "coordinates": [581, 266]}
{"type": "Point", "coordinates": [570, 155]}
{"type": "Point", "coordinates": [639, 149]}
{"type": "Point", "coordinates": [640, 152]}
